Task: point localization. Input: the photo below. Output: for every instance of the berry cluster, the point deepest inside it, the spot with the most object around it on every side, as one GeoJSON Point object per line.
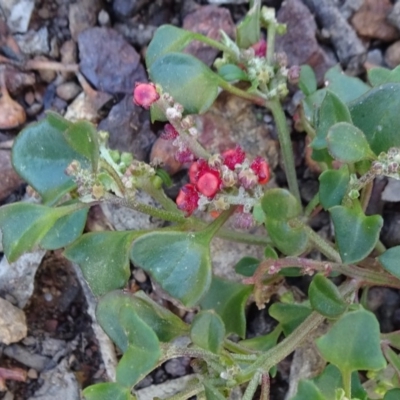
{"type": "Point", "coordinates": [221, 174]}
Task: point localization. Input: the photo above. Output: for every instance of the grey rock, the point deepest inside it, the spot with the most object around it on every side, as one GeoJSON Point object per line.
{"type": "Point", "coordinates": [300, 43]}
{"type": "Point", "coordinates": [349, 7]}
{"type": "Point", "coordinates": [126, 8]}
{"type": "Point", "coordinates": [17, 278]}
{"type": "Point", "coordinates": [138, 35]}
{"type": "Point", "coordinates": [34, 42]}
{"type": "Point", "coordinates": [349, 48]}
{"type": "Point", "coordinates": [58, 383]}
{"type": "Point", "coordinates": [375, 57]}
{"type": "Point", "coordinates": [392, 191]}
{"type": "Point", "coordinates": [12, 323]}
{"type": "Point", "coordinates": [129, 128]}
{"type": "Point", "coordinates": [108, 61]}
{"type": "Point", "coordinates": [18, 13]}
{"type": "Point", "coordinates": [28, 358]}
{"type": "Point", "coordinates": [103, 18]}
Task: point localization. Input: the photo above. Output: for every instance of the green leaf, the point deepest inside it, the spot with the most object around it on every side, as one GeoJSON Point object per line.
{"type": "Point", "coordinates": [228, 300]}
{"type": "Point", "coordinates": [179, 262]}
{"type": "Point", "coordinates": [211, 392]}
{"type": "Point", "coordinates": [82, 137]}
{"type": "Point", "coordinates": [290, 316]}
{"type": "Point", "coordinates": [143, 351]}
{"type": "Point", "coordinates": [378, 76]}
{"type": "Point", "coordinates": [393, 394]}
{"type": "Point", "coordinates": [390, 261]}
{"type": "Point", "coordinates": [103, 258]}
{"type": "Point", "coordinates": [393, 338]}
{"type": "Point", "coordinates": [65, 231]}
{"type": "Point", "coordinates": [208, 331]}
{"type": "Point", "coordinates": [264, 342]}
{"type": "Point", "coordinates": [308, 81]}
{"type": "Point", "coordinates": [167, 39]}
{"type": "Point", "coordinates": [41, 154]}
{"type": "Point", "coordinates": [325, 297]}
{"type": "Point", "coordinates": [116, 314]}
{"type": "Point", "coordinates": [24, 225]}
{"type": "Point", "coordinates": [347, 88]}
{"type": "Point", "coordinates": [307, 390]}
{"type": "Point", "coordinates": [231, 72]}
{"type": "Point", "coordinates": [163, 322]}
{"type": "Point", "coordinates": [332, 111]}
{"type": "Point", "coordinates": [280, 204]}
{"type": "Point", "coordinates": [353, 343]}
{"type": "Point", "coordinates": [356, 234]}
{"type": "Point", "coordinates": [189, 81]}
{"type": "Point", "coordinates": [332, 186]}
{"type": "Point", "coordinates": [292, 241]}
{"type": "Point", "coordinates": [247, 266]}
{"type": "Point", "coordinates": [347, 143]}
{"type": "Point", "coordinates": [331, 379]}
{"type": "Point", "coordinates": [376, 114]}
{"type": "Point", "coordinates": [248, 30]}
{"type": "Point", "coordinates": [107, 391]}
{"type": "Point", "coordinates": [393, 358]}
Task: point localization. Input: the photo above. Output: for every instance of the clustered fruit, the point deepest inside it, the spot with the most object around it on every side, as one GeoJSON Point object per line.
{"type": "Point", "coordinates": [218, 182]}
{"type": "Point", "coordinates": [219, 175]}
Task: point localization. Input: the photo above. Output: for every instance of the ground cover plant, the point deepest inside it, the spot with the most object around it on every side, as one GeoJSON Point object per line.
{"type": "Point", "coordinates": [353, 131]}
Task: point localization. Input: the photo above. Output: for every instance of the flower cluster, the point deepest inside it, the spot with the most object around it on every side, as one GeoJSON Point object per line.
{"type": "Point", "coordinates": [222, 180]}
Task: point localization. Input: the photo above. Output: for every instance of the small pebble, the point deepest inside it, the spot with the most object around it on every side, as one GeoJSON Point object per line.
{"type": "Point", "coordinates": [139, 275]}
{"type": "Point", "coordinates": [29, 98]}
{"type": "Point", "coordinates": [48, 297]}
{"type": "Point", "coordinates": [32, 373]}
{"type": "Point", "coordinates": [68, 90]}
{"type": "Point", "coordinates": [103, 18]}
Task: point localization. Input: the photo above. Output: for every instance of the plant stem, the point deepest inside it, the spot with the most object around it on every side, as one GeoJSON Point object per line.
{"type": "Point", "coordinates": [215, 44]}
{"type": "Point", "coordinates": [272, 357]}
{"type": "Point", "coordinates": [265, 386]}
{"type": "Point", "coordinates": [158, 195]}
{"type": "Point", "coordinates": [271, 32]}
{"type": "Point", "coordinates": [366, 195]}
{"type": "Point", "coordinates": [259, 100]}
{"type": "Point", "coordinates": [112, 172]}
{"type": "Point", "coordinates": [286, 146]}
{"type": "Point", "coordinates": [324, 247]}
{"type": "Point", "coordinates": [380, 247]}
{"type": "Point", "coordinates": [311, 205]}
{"type": "Point", "coordinates": [252, 387]}
{"type": "Point", "coordinates": [188, 392]}
{"type": "Point", "coordinates": [214, 227]}
{"type": "Point", "coordinates": [146, 209]}
{"type": "Point", "coordinates": [346, 377]}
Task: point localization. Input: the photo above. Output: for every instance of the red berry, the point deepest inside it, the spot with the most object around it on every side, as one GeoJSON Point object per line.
{"type": "Point", "coordinates": [169, 132]}
{"type": "Point", "coordinates": [260, 48]}
{"type": "Point", "coordinates": [145, 94]}
{"type": "Point", "coordinates": [233, 156]}
{"type": "Point", "coordinates": [209, 183]}
{"type": "Point", "coordinates": [206, 179]}
{"type": "Point", "coordinates": [187, 199]}
{"type": "Point", "coordinates": [261, 169]}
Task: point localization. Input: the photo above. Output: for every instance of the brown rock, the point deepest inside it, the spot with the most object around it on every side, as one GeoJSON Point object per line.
{"type": "Point", "coordinates": [208, 20]}
{"type": "Point", "coordinates": [82, 15]}
{"type": "Point", "coordinates": [231, 121]}
{"type": "Point", "coordinates": [371, 22]}
{"type": "Point", "coordinates": [392, 55]}
{"type": "Point", "coordinates": [68, 90]}
{"type": "Point", "coordinates": [163, 154]}
{"type": "Point", "coordinates": [10, 180]}
{"type": "Point", "coordinates": [108, 61]}
{"type": "Point", "coordinates": [300, 43]}
{"type": "Point", "coordinates": [12, 114]}
{"type": "Point", "coordinates": [17, 80]}
{"type": "Point", "coordinates": [46, 75]}
{"type": "Point", "coordinates": [129, 128]}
